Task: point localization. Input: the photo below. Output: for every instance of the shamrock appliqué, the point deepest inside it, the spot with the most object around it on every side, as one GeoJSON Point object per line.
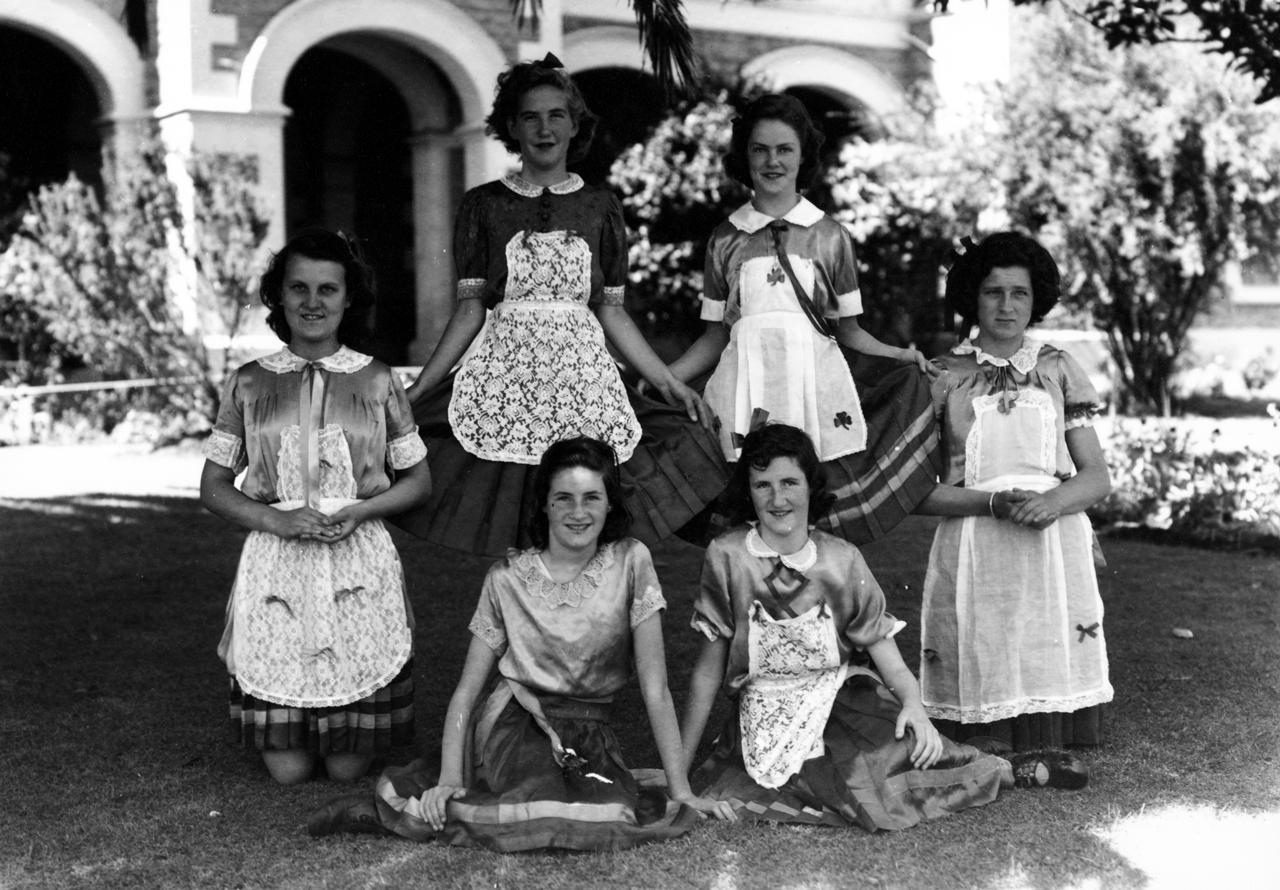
{"type": "Point", "coordinates": [775, 275]}
{"type": "Point", "coordinates": [842, 419]}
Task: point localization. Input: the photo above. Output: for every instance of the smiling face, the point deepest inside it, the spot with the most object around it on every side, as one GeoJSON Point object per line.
{"type": "Point", "coordinates": [774, 158]}
{"type": "Point", "coordinates": [577, 506]}
{"type": "Point", "coordinates": [544, 127]}
{"type": "Point", "coordinates": [314, 301]}
{"type": "Point", "coordinates": [1004, 309]}
{"type": "Point", "coordinates": [780, 497]}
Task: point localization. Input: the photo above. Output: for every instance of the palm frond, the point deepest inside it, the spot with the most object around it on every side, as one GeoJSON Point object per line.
{"type": "Point", "coordinates": [664, 34]}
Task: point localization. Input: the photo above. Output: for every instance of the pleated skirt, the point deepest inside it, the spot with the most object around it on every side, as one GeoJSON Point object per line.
{"type": "Point", "coordinates": [880, 486]}
{"type": "Point", "coordinates": [520, 799]}
{"type": "Point", "coordinates": [864, 777]}
{"type": "Point", "coordinates": [482, 506]}
{"type": "Point", "coordinates": [376, 724]}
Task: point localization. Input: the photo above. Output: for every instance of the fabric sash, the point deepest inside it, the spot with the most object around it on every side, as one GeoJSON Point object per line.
{"type": "Point", "coordinates": [310, 413]}
{"type": "Point", "coordinates": [820, 324]}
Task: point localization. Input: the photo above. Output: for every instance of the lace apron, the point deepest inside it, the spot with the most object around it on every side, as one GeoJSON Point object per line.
{"type": "Point", "coordinates": [795, 674]}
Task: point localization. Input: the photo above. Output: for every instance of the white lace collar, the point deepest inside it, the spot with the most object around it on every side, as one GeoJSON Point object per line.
{"type": "Point", "coordinates": [527, 189]}
{"type": "Point", "coordinates": [800, 561]}
{"type": "Point", "coordinates": [531, 569]}
{"type": "Point", "coordinates": [747, 219]}
{"type": "Point", "coordinates": [1024, 360]}
{"type": "Point", "coordinates": [344, 361]}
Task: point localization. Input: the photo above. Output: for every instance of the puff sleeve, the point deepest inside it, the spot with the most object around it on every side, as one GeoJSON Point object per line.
{"type": "Point", "coordinates": [225, 445]}
{"type": "Point", "coordinates": [1080, 399]}
{"type": "Point", "coordinates": [645, 590]}
{"type": "Point", "coordinates": [404, 446]}
{"type": "Point", "coordinates": [471, 248]}
{"type": "Point", "coordinates": [613, 255]}
{"type": "Point", "coordinates": [712, 609]}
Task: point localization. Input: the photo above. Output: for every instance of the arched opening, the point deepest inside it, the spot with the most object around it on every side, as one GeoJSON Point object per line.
{"type": "Point", "coordinates": [49, 113]}
{"type": "Point", "coordinates": [348, 167]}
{"type": "Point", "coordinates": [629, 104]}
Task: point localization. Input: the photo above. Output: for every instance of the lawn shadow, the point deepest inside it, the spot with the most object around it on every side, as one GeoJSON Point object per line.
{"type": "Point", "coordinates": [114, 710]}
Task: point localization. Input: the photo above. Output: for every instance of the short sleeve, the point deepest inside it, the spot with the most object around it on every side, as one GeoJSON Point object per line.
{"type": "Point", "coordinates": [471, 246]}
{"type": "Point", "coordinates": [404, 446]}
{"type": "Point", "coordinates": [846, 296]}
{"type": "Point", "coordinates": [1080, 399]}
{"type": "Point", "coordinates": [712, 612]}
{"type": "Point", "coordinates": [486, 623]}
{"type": "Point", "coordinates": [225, 445]}
{"type": "Point", "coordinates": [646, 591]}
{"type": "Point", "coordinates": [870, 621]}
{"type": "Point", "coordinates": [715, 292]}
{"type": "Point", "coordinates": [613, 254]}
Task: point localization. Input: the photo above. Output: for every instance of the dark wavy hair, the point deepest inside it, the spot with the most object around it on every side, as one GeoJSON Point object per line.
{"type": "Point", "coordinates": [580, 451]}
{"type": "Point", "coordinates": [775, 107]}
{"type": "Point", "coordinates": [1001, 250]}
{"type": "Point", "coordinates": [322, 244]}
{"type": "Point", "coordinates": [759, 449]}
{"type": "Point", "coordinates": [520, 79]}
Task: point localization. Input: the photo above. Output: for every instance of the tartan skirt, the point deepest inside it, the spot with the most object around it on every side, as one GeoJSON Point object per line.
{"type": "Point", "coordinates": [375, 724]}
{"type": "Point", "coordinates": [877, 488]}
{"type": "Point", "coordinates": [482, 506]}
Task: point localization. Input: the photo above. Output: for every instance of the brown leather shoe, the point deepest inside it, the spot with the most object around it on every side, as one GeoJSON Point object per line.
{"type": "Point", "coordinates": [354, 813]}
{"type": "Point", "coordinates": [1048, 769]}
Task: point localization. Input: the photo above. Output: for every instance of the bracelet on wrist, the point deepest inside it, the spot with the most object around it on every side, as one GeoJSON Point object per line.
{"type": "Point", "coordinates": [991, 505]}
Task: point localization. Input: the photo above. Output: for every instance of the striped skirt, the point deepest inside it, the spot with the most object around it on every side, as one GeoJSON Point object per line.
{"type": "Point", "coordinates": [880, 486]}
{"type": "Point", "coordinates": [863, 777]}
{"type": "Point", "coordinates": [375, 724]}
{"type": "Point", "coordinates": [482, 506]}
{"type": "Point", "coordinates": [519, 798]}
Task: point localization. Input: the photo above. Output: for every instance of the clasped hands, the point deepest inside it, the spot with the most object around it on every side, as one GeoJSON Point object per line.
{"type": "Point", "coordinates": [1033, 509]}
{"type": "Point", "coordinates": [309, 524]}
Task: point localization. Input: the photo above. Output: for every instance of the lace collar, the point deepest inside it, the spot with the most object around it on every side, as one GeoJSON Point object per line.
{"type": "Point", "coordinates": [800, 561]}
{"type": "Point", "coordinates": [527, 189]}
{"type": "Point", "coordinates": [747, 219]}
{"type": "Point", "coordinates": [344, 361]}
{"type": "Point", "coordinates": [529, 566]}
{"type": "Point", "coordinates": [1023, 361]}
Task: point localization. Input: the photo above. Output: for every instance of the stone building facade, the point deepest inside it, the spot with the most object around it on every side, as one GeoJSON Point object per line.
{"type": "Point", "coordinates": [367, 115]}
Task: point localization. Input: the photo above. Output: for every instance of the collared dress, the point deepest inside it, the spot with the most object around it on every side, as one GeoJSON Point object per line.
{"type": "Point", "coordinates": [318, 636]}
{"type": "Point", "coordinates": [542, 259]}
{"type": "Point", "coordinates": [870, 418]}
{"type": "Point", "coordinates": [543, 767]}
{"type": "Point", "coordinates": [1012, 622]}
{"type": "Point", "coordinates": [810, 738]}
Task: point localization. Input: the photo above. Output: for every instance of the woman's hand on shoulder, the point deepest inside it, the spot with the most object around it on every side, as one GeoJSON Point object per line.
{"type": "Point", "coordinates": [927, 749]}
{"type": "Point", "coordinates": [917, 358]}
{"type": "Point", "coordinates": [677, 393]}
{"type": "Point", "coordinates": [435, 802]}
{"type": "Point", "coordinates": [717, 809]}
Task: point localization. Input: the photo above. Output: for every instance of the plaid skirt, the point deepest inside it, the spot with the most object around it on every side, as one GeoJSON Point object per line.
{"type": "Point", "coordinates": [877, 488]}
{"type": "Point", "coordinates": [482, 506]}
{"type": "Point", "coordinates": [375, 724]}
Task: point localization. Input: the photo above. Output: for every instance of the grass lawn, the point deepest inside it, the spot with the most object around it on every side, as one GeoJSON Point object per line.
{"type": "Point", "coordinates": [115, 772]}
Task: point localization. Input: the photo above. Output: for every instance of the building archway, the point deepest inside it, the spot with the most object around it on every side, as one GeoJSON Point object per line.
{"type": "Point", "coordinates": [432, 69]}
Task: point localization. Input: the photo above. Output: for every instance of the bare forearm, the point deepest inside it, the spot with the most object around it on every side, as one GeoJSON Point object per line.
{"type": "Point", "coordinates": [411, 488]}
{"type": "Point", "coordinates": [631, 344]}
{"type": "Point", "coordinates": [952, 500]}
{"type": "Point", "coordinates": [219, 495]}
{"type": "Point", "coordinates": [467, 318]}
{"type": "Point", "coordinates": [666, 735]}
{"type": "Point", "coordinates": [703, 354]}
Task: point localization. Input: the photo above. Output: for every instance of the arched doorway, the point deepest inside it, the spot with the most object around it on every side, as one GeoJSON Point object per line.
{"type": "Point", "coordinates": [629, 104]}
{"type": "Point", "coordinates": [49, 113]}
{"type": "Point", "coordinates": [348, 167]}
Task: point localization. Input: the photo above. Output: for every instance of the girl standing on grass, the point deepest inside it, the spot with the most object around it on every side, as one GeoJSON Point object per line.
{"type": "Point", "coordinates": [828, 726]}
{"type": "Point", "coordinates": [1014, 654]}
{"type": "Point", "coordinates": [534, 764]}
{"type": "Point", "coordinates": [318, 639]}
{"type": "Point", "coordinates": [546, 254]}
{"type": "Point", "coordinates": [781, 300]}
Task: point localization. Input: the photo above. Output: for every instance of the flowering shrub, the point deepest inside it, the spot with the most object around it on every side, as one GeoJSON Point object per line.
{"type": "Point", "coordinates": [1214, 496]}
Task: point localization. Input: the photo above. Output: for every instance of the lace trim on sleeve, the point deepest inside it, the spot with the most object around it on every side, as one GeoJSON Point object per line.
{"type": "Point", "coordinates": [1079, 414]}
{"type": "Point", "coordinates": [492, 636]}
{"type": "Point", "coordinates": [406, 451]}
{"type": "Point", "coordinates": [471, 288]}
{"type": "Point", "coordinates": [225, 450]}
{"type": "Point", "coordinates": [647, 603]}
{"type": "Point", "coordinates": [705, 627]}
{"type": "Point", "coordinates": [613, 296]}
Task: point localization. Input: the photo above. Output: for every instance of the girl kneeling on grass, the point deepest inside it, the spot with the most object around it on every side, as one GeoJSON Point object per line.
{"type": "Point", "coordinates": [828, 726]}
{"type": "Point", "coordinates": [319, 635]}
{"type": "Point", "coordinates": [536, 764]}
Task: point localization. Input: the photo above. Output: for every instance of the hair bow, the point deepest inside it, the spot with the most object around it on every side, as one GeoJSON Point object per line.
{"type": "Point", "coordinates": [548, 61]}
